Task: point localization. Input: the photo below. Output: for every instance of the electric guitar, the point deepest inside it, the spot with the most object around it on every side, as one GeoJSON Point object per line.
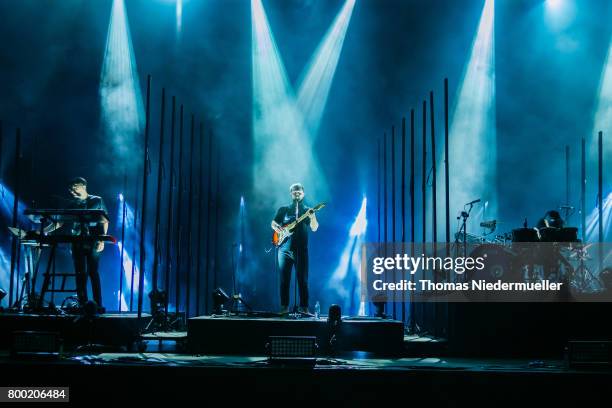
{"type": "Point", "coordinates": [279, 238]}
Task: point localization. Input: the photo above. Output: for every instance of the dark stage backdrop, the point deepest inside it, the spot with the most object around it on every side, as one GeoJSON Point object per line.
{"type": "Point", "coordinates": [395, 52]}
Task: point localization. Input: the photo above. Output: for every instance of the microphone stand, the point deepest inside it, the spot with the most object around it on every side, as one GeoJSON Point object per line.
{"type": "Point", "coordinates": [463, 230]}
{"type": "Point", "coordinates": [295, 312]}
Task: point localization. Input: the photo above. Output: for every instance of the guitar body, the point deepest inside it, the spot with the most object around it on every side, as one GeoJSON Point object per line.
{"type": "Point", "coordinates": [279, 238]}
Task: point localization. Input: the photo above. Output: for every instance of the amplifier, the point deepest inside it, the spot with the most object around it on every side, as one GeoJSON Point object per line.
{"type": "Point", "coordinates": [590, 354]}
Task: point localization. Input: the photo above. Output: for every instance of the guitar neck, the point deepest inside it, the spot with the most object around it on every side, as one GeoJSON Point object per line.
{"type": "Point", "coordinates": [303, 216]}
{"type": "Point", "coordinates": [296, 222]}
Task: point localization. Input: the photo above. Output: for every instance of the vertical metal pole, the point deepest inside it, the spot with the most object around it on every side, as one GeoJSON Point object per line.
{"type": "Point", "coordinates": [189, 219]}
{"type": "Point", "coordinates": [378, 188]}
{"type": "Point", "coordinates": [447, 195]}
{"type": "Point", "coordinates": [403, 210]}
{"type": "Point", "coordinates": [434, 201]}
{"type": "Point", "coordinates": [385, 206]}
{"type": "Point", "coordinates": [567, 185]}
{"type": "Point", "coordinates": [121, 255]}
{"type": "Point", "coordinates": [583, 190]}
{"type": "Point", "coordinates": [393, 184]}
{"type": "Point", "coordinates": [412, 197]}
{"type": "Point", "coordinates": [199, 239]}
{"type": "Point", "coordinates": [179, 211]}
{"type": "Point", "coordinates": [412, 326]}
{"type": "Point", "coordinates": [378, 183]}
{"type": "Point", "coordinates": [393, 220]}
{"type": "Point", "coordinates": [143, 213]}
{"type": "Point", "coordinates": [208, 219]}
{"type": "Point", "coordinates": [600, 197]}
{"type": "Point", "coordinates": [15, 241]}
{"type": "Point", "coordinates": [446, 168]}
{"type": "Point", "coordinates": [160, 168]}
{"type": "Point", "coordinates": [424, 191]}
{"type": "Point", "coordinates": [134, 242]}
{"type": "Point", "coordinates": [217, 216]}
{"type": "Point", "coordinates": [424, 174]}
{"type": "Point", "coordinates": [170, 226]}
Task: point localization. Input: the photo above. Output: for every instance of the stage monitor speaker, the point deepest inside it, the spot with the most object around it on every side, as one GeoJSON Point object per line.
{"type": "Point", "coordinates": [292, 349]}
{"type": "Point", "coordinates": [592, 354]}
{"type": "Point", "coordinates": [35, 344]}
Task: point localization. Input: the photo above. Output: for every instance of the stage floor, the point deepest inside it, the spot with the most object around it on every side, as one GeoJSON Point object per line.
{"type": "Point", "coordinates": [354, 378]}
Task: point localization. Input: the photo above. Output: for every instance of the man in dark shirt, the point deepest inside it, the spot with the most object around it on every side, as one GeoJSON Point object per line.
{"type": "Point", "coordinates": [86, 256]}
{"type": "Point", "coordinates": [294, 251]}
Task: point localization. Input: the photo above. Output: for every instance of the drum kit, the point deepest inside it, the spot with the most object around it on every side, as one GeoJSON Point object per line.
{"type": "Point", "coordinates": [532, 254]}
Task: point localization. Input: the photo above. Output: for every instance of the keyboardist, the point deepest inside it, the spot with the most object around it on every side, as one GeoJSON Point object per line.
{"type": "Point", "coordinates": [86, 255]}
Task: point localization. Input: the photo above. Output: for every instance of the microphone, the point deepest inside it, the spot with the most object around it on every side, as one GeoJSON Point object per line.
{"type": "Point", "coordinates": [473, 202]}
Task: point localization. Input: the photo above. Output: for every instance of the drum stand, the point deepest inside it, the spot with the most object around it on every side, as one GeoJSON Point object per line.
{"type": "Point", "coordinates": [582, 276]}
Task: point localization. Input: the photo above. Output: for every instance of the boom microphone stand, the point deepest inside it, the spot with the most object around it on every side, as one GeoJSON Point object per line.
{"type": "Point", "coordinates": [463, 230]}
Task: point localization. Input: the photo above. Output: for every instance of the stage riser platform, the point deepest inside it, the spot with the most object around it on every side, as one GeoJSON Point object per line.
{"type": "Point", "coordinates": [109, 329]}
{"type": "Point", "coordinates": [212, 335]}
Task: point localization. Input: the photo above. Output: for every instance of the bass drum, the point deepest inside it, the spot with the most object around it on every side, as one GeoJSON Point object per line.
{"type": "Point", "coordinates": [525, 235]}
{"type": "Point", "coordinates": [569, 234]}
{"type": "Point", "coordinates": [499, 264]}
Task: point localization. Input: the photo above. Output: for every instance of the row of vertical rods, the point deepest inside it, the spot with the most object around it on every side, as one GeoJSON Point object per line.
{"type": "Point", "coordinates": [176, 230]}
{"type": "Point", "coordinates": [382, 169]}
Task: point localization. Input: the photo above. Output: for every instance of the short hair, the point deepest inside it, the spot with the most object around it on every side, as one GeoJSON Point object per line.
{"type": "Point", "coordinates": [296, 187]}
{"type": "Point", "coordinates": [78, 180]}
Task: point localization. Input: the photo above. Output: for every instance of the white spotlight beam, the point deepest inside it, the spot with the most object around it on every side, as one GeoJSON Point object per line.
{"type": "Point", "coordinates": [592, 222]}
{"type": "Point", "coordinates": [120, 96]}
{"type": "Point", "coordinates": [319, 73]}
{"type": "Point", "coordinates": [473, 146]}
{"type": "Point", "coordinates": [348, 270]}
{"type": "Point", "coordinates": [179, 19]}
{"type": "Point", "coordinates": [283, 153]}
{"type": "Point", "coordinates": [603, 114]}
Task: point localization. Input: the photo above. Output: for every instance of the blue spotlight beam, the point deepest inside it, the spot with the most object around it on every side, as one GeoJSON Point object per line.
{"type": "Point", "coordinates": [473, 146]}
{"type": "Point", "coordinates": [121, 107]}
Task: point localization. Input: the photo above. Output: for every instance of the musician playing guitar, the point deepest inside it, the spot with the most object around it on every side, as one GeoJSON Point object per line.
{"type": "Point", "coordinates": [294, 250]}
{"type": "Point", "coordinates": [86, 255]}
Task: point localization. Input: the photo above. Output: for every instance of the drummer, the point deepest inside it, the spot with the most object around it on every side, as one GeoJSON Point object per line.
{"type": "Point", "coordinates": [552, 219]}
{"type": "Point", "coordinates": [553, 259]}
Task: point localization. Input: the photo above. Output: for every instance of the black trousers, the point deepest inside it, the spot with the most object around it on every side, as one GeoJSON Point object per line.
{"type": "Point", "coordinates": [86, 261]}
{"type": "Point", "coordinates": [287, 259]}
